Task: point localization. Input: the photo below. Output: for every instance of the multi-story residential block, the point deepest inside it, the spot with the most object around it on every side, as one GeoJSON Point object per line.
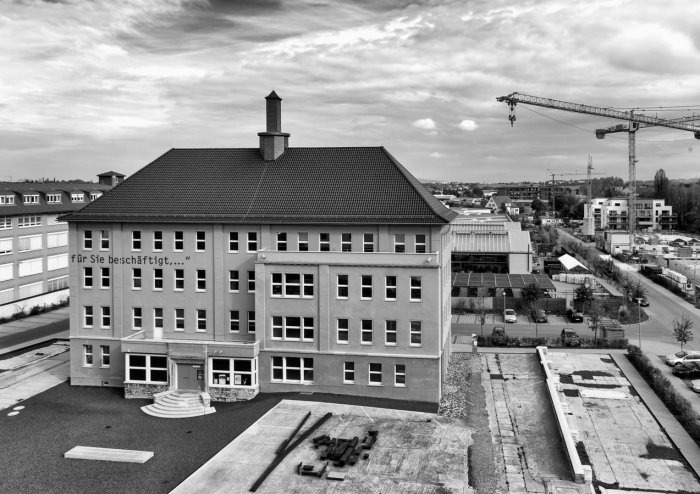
{"type": "Point", "coordinates": [239, 271]}
{"type": "Point", "coordinates": [612, 214]}
{"type": "Point", "coordinates": [34, 243]}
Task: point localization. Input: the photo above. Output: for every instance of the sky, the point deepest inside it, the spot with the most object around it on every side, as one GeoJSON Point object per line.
{"type": "Point", "coordinates": [109, 85]}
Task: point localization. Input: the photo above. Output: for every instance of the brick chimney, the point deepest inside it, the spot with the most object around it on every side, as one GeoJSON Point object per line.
{"type": "Point", "coordinates": [274, 142]}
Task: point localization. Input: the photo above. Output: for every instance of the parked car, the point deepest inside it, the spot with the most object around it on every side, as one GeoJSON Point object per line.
{"type": "Point", "coordinates": [498, 334]}
{"type": "Point", "coordinates": [538, 315]}
{"type": "Point", "coordinates": [510, 316]}
{"type": "Point", "coordinates": [691, 357]}
{"type": "Point", "coordinates": [694, 385]}
{"type": "Point", "coordinates": [677, 358]}
{"type": "Point", "coordinates": [642, 303]}
{"type": "Point", "coordinates": [574, 315]}
{"type": "Point", "coordinates": [569, 337]}
{"type": "Point", "coordinates": [687, 370]}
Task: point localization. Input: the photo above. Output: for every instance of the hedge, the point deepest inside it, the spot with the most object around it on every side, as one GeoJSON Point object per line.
{"type": "Point", "coordinates": [550, 342]}
{"type": "Point", "coordinates": [674, 401]}
{"type": "Point", "coordinates": [36, 310]}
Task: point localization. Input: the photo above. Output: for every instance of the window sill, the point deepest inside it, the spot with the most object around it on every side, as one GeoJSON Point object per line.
{"type": "Point", "coordinates": [375, 384]}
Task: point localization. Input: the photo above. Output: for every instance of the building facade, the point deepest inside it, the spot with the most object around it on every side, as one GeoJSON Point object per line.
{"type": "Point", "coordinates": [225, 271]}
{"type": "Point", "coordinates": [34, 243]}
{"type": "Point", "coordinates": [612, 214]}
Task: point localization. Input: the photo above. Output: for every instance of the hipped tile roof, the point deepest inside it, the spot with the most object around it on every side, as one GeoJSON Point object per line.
{"type": "Point", "coordinates": [342, 185]}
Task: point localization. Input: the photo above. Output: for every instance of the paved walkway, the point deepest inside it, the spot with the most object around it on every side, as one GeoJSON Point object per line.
{"type": "Point", "coordinates": [33, 322]}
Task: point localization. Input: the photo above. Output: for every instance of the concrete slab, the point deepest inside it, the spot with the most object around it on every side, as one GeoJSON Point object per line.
{"type": "Point", "coordinates": [606, 394]}
{"type": "Point", "coordinates": [108, 454]}
{"type": "Point", "coordinates": [415, 453]}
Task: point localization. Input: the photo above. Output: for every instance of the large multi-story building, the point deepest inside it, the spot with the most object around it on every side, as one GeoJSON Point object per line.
{"type": "Point", "coordinates": [238, 271]}
{"type": "Point", "coordinates": [612, 214]}
{"type": "Point", "coordinates": [34, 243]}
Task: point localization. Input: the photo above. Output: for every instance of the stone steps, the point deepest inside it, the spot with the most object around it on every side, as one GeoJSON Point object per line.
{"type": "Point", "coordinates": [178, 404]}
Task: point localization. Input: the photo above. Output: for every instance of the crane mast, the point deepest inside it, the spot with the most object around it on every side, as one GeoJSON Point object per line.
{"type": "Point", "coordinates": [635, 121]}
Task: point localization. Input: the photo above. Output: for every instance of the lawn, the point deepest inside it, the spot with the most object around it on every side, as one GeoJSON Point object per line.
{"type": "Point", "coordinates": [35, 440]}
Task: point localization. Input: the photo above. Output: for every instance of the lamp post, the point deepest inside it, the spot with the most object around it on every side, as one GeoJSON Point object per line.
{"type": "Point", "coordinates": [504, 305]}
{"type": "Point", "coordinates": [639, 321]}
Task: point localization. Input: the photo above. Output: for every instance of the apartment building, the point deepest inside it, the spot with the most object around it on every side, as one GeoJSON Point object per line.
{"type": "Point", "coordinates": [226, 271]}
{"type": "Point", "coordinates": [613, 214]}
{"type": "Point", "coordinates": [34, 243]}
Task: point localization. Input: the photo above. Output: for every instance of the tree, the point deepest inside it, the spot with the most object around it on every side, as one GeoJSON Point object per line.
{"type": "Point", "coordinates": [531, 294]}
{"type": "Point", "coordinates": [477, 191]}
{"type": "Point", "coordinates": [660, 184]}
{"type": "Point", "coordinates": [595, 315]}
{"type": "Point", "coordinates": [538, 207]}
{"type": "Point", "coordinates": [683, 330]}
{"type": "Point", "coordinates": [584, 295]}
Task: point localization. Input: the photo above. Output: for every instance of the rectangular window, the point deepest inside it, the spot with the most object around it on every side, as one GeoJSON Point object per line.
{"type": "Point", "coordinates": [31, 290]}
{"type": "Point", "coordinates": [420, 244]}
{"type": "Point", "coordinates": [77, 197]}
{"type": "Point", "coordinates": [104, 278]}
{"type": "Point", "coordinates": [30, 267]}
{"type": "Point", "coordinates": [343, 286]}
{"type": "Point", "coordinates": [87, 239]}
{"type": "Point", "coordinates": [136, 278]}
{"type": "Point", "coordinates": [251, 281]}
{"type": "Point", "coordinates": [416, 289]}
{"type": "Point", "coordinates": [343, 331]}
{"type": "Point", "coordinates": [368, 242]}
{"type": "Point", "coordinates": [136, 240]}
{"type": "Point", "coordinates": [5, 246]}
{"type": "Point", "coordinates": [390, 333]}
{"type": "Point", "coordinates": [6, 271]}
{"type": "Point", "coordinates": [303, 245]}
{"type": "Point", "coordinates": [179, 280]}
{"type": "Point", "coordinates": [292, 369]}
{"type": "Point", "coordinates": [53, 198]}
{"type": "Point", "coordinates": [233, 282]}
{"type": "Point", "coordinates": [200, 242]}
{"type": "Point", "coordinates": [293, 328]}
{"type": "Point", "coordinates": [375, 374]}
{"type": "Point", "coordinates": [87, 277]}
{"type": "Point", "coordinates": [88, 316]}
{"type": "Point", "coordinates": [178, 241]}
{"type": "Point", "coordinates": [366, 288]}
{"type": "Point", "coordinates": [400, 375]}
{"type": "Point", "coordinates": [367, 332]}
{"type": "Point", "coordinates": [28, 221]}
{"type": "Point", "coordinates": [201, 280]}
{"type": "Point", "coordinates": [57, 283]}
{"type": "Point", "coordinates": [282, 241]}
{"type": "Point", "coordinates": [157, 241]}
{"type": "Point", "coordinates": [147, 368]}
{"type": "Point", "coordinates": [252, 242]}
{"type": "Point", "coordinates": [136, 318]}
{"type": "Point", "coordinates": [158, 317]}
{"type": "Point", "coordinates": [346, 242]}
{"type": "Point", "coordinates": [59, 261]}
{"type": "Point", "coordinates": [87, 355]}
{"type": "Point", "coordinates": [30, 199]}
{"type": "Point", "coordinates": [292, 285]}
{"type": "Point", "coordinates": [56, 239]}
{"type": "Point", "coordinates": [106, 317]}
{"type": "Point", "coordinates": [234, 321]}
{"type": "Point", "coordinates": [399, 242]}
{"type": "Point", "coordinates": [232, 372]}
{"type": "Point", "coordinates": [104, 356]}
{"type": "Point", "coordinates": [104, 239]}
{"type": "Point", "coordinates": [6, 296]}
{"type": "Point", "coordinates": [5, 223]}
{"type": "Point", "coordinates": [201, 320]}
{"type": "Point", "coordinates": [251, 321]}
{"type": "Point", "coordinates": [390, 288]}
{"type": "Point", "coordinates": [158, 279]}
{"type": "Point", "coordinates": [348, 372]}
{"type": "Point", "coordinates": [95, 195]}
{"type": "Point", "coordinates": [179, 319]}
{"type": "Point", "coordinates": [233, 241]}
{"type": "Point", "coordinates": [33, 242]}
{"type": "Point", "coordinates": [416, 333]}
{"type": "Point", "coordinates": [324, 242]}
{"type": "Point", "coordinates": [7, 200]}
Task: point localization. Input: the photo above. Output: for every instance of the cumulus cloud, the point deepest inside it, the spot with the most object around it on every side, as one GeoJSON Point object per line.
{"type": "Point", "coordinates": [425, 124]}
{"type": "Point", "coordinates": [468, 125]}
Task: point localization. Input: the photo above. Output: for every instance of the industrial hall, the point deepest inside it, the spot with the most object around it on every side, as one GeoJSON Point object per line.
{"type": "Point", "coordinates": [237, 271]}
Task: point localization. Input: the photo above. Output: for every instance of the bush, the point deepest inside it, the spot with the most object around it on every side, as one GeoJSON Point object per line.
{"type": "Point", "coordinates": [676, 403]}
{"type": "Point", "coordinates": [550, 342]}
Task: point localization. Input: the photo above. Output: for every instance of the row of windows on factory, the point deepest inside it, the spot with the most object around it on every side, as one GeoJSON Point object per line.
{"type": "Point", "coordinates": [29, 243]}
{"type": "Point", "coordinates": [29, 267]}
{"type": "Point", "coordinates": [283, 241]}
{"type": "Point", "coordinates": [33, 289]}
{"type": "Point", "coordinates": [28, 221]}
{"type": "Point", "coordinates": [51, 198]}
{"type": "Point", "coordinates": [230, 372]}
{"type": "Point", "coordinates": [282, 284]}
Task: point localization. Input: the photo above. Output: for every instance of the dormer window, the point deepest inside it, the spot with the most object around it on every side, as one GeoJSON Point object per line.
{"type": "Point", "coordinates": [30, 199]}
{"type": "Point", "coordinates": [53, 198]}
{"type": "Point", "coordinates": [95, 195]}
{"type": "Point", "coordinates": [7, 200]}
{"type": "Point", "coordinates": [77, 197]}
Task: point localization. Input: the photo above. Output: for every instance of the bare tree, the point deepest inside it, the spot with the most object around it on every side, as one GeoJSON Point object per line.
{"type": "Point", "coordinates": [595, 315]}
{"type": "Point", "coordinates": [682, 330]}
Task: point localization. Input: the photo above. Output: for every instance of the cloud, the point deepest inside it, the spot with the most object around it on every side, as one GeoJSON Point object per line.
{"type": "Point", "coordinates": [425, 124]}
{"type": "Point", "coordinates": [468, 125]}
{"type": "Point", "coordinates": [436, 154]}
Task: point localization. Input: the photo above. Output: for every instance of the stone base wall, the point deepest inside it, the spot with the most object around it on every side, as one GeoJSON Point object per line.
{"type": "Point", "coordinates": [232, 394]}
{"type": "Point", "coordinates": [146, 391]}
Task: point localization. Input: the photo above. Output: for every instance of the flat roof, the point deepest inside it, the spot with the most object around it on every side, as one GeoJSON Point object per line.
{"type": "Point", "coordinates": [494, 280]}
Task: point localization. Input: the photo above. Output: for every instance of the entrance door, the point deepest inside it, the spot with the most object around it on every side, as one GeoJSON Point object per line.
{"type": "Point", "coordinates": [190, 377]}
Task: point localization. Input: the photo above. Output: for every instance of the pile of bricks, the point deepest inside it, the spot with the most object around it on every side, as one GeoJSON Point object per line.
{"type": "Point", "coordinates": [345, 451]}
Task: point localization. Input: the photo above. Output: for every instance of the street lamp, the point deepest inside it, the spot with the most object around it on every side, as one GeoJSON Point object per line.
{"type": "Point", "coordinates": [639, 321]}
{"type": "Point", "coordinates": [504, 304]}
